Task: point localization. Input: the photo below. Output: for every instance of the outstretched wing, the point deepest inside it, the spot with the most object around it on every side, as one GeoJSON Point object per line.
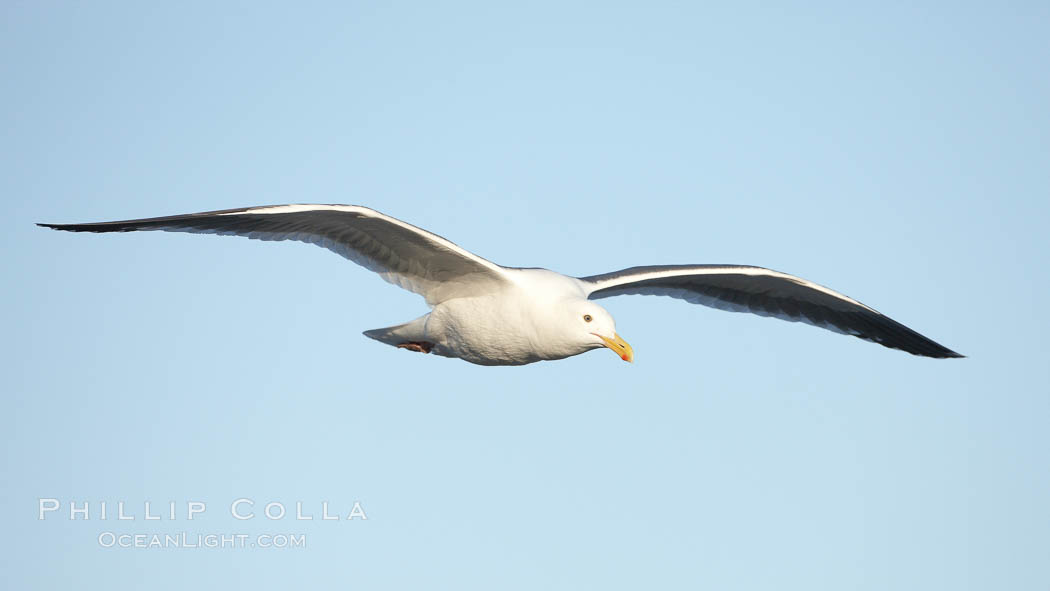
{"type": "Point", "coordinates": [739, 288]}
{"type": "Point", "coordinates": [400, 253]}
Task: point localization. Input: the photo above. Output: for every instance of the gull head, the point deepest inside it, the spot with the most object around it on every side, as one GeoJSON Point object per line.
{"type": "Point", "coordinates": [592, 327]}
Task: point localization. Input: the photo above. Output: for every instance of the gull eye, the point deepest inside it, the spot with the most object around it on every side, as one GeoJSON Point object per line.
{"type": "Point", "coordinates": [587, 318]}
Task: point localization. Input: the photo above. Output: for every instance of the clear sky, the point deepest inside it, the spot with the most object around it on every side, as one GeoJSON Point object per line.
{"type": "Point", "coordinates": [897, 153]}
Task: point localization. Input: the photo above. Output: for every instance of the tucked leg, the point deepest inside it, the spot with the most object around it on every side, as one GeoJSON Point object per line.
{"type": "Point", "coordinates": [417, 346]}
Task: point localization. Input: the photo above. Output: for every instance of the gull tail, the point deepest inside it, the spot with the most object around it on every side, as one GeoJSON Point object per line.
{"type": "Point", "coordinates": [409, 332]}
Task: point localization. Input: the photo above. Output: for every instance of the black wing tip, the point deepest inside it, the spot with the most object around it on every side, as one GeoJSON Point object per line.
{"type": "Point", "coordinates": [878, 328]}
{"type": "Point", "coordinates": [940, 355]}
{"type": "Point", "coordinates": [78, 227]}
{"type": "Point", "coordinates": [62, 227]}
{"type": "Point", "coordinates": [930, 349]}
{"type": "Point", "coordinates": [160, 222]}
{"type": "Point", "coordinates": [924, 348]}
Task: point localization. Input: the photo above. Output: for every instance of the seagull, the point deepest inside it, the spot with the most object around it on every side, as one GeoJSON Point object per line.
{"type": "Point", "coordinates": [489, 314]}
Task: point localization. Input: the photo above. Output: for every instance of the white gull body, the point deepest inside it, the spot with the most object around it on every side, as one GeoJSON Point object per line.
{"type": "Point", "coordinates": [537, 315]}
{"type": "Point", "coordinates": [488, 314]}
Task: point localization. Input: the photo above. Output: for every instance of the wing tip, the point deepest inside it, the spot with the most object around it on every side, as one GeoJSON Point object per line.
{"type": "Point", "coordinates": [935, 352]}
{"type": "Point", "coordinates": [100, 227]}
{"type": "Point", "coordinates": [63, 227]}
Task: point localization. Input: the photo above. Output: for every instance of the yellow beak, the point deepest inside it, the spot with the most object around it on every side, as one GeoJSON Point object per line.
{"type": "Point", "coordinates": [619, 346]}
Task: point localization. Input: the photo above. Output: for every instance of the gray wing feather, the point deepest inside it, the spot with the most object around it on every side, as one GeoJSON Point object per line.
{"type": "Point", "coordinates": [740, 288]}
{"type": "Point", "coordinates": [407, 256]}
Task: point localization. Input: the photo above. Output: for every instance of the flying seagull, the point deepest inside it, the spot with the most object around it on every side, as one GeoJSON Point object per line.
{"type": "Point", "coordinates": [488, 314]}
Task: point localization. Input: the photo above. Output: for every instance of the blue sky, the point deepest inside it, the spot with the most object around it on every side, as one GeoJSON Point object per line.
{"type": "Point", "coordinates": [896, 153]}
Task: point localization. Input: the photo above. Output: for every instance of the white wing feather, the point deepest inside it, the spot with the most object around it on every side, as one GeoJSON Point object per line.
{"type": "Point", "coordinates": [407, 256]}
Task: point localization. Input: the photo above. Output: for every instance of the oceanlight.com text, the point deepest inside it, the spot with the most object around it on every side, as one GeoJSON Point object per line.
{"type": "Point", "coordinates": [193, 541]}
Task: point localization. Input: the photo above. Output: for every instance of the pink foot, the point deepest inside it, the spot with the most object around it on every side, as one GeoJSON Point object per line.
{"type": "Point", "coordinates": [417, 346]}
